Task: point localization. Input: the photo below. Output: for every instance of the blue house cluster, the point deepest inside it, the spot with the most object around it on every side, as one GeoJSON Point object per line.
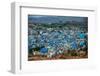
{"type": "Point", "coordinates": [68, 36]}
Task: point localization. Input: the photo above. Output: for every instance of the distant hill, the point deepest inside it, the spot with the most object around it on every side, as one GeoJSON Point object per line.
{"type": "Point", "coordinates": [55, 19]}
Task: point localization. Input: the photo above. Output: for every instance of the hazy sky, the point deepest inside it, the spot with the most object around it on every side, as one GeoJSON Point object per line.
{"type": "Point", "coordinates": [54, 19]}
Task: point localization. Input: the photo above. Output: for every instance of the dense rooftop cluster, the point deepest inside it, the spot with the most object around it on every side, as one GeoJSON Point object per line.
{"type": "Point", "coordinates": [44, 37]}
